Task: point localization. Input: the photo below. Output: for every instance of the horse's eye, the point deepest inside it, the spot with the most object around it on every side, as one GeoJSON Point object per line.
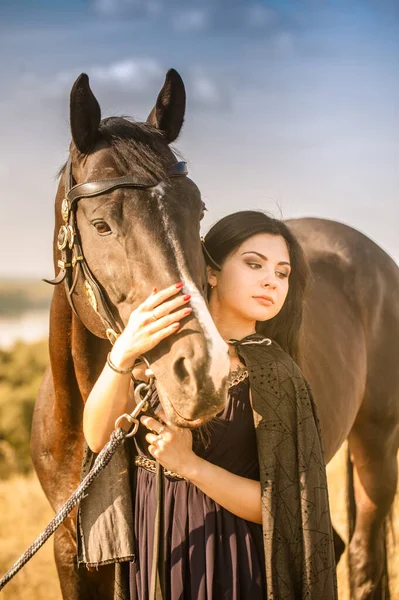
{"type": "Point", "coordinates": [102, 227]}
{"type": "Point", "coordinates": [203, 209]}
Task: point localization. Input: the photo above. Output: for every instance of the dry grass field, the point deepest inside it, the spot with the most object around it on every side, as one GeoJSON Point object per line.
{"type": "Point", "coordinates": [24, 512]}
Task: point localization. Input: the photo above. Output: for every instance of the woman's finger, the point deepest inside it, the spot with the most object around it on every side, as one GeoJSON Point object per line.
{"type": "Point", "coordinates": [152, 424]}
{"type": "Point", "coordinates": [152, 439]}
{"type": "Point", "coordinates": [158, 324]}
{"type": "Point", "coordinates": [158, 298]}
{"type": "Point", "coordinates": [154, 451]}
{"type": "Point", "coordinates": [169, 306]}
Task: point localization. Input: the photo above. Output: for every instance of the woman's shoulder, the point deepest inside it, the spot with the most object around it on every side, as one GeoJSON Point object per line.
{"type": "Point", "coordinates": [260, 351]}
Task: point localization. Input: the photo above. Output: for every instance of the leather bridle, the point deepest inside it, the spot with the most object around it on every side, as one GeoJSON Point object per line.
{"type": "Point", "coordinates": [69, 244]}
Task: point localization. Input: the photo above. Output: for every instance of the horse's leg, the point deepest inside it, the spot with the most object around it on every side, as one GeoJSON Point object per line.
{"type": "Point", "coordinates": [373, 447]}
{"type": "Point", "coordinates": [65, 560]}
{"type": "Point", "coordinates": [79, 583]}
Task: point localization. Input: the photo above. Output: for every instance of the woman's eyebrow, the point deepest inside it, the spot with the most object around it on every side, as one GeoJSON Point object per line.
{"type": "Point", "coordinates": [283, 262]}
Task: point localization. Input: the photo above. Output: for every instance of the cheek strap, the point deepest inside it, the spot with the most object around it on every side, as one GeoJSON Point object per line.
{"type": "Point", "coordinates": [208, 258]}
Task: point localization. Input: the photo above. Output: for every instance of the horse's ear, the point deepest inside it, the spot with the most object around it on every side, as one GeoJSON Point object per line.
{"type": "Point", "coordinates": [85, 115]}
{"type": "Point", "coordinates": [168, 112]}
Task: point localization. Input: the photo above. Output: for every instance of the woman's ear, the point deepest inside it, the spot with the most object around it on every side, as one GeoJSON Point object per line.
{"type": "Point", "coordinates": [212, 278]}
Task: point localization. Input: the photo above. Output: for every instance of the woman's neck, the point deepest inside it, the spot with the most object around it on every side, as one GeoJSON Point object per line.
{"type": "Point", "coordinates": [231, 326]}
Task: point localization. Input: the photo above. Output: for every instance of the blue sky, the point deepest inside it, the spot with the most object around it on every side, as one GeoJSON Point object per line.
{"type": "Point", "coordinates": [293, 107]}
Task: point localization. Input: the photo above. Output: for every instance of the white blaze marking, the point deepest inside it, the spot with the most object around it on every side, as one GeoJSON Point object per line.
{"type": "Point", "coordinates": [158, 191]}
{"type": "Point", "coordinates": [218, 349]}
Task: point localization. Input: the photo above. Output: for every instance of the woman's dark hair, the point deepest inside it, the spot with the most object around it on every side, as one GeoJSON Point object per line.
{"type": "Point", "coordinates": [229, 233]}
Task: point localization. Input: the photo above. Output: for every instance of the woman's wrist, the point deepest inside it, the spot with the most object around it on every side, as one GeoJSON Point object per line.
{"type": "Point", "coordinates": [192, 467]}
{"type": "Point", "coordinates": [121, 359]}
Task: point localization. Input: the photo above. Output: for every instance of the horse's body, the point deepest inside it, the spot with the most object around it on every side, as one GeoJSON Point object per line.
{"type": "Point", "coordinates": [350, 346]}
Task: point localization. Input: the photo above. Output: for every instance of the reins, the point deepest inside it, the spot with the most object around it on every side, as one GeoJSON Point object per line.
{"type": "Point", "coordinates": [117, 437]}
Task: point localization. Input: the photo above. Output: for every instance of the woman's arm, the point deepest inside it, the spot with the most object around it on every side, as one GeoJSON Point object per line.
{"type": "Point", "coordinates": [150, 323]}
{"type": "Point", "coordinates": [107, 401]}
{"type": "Point", "coordinates": [172, 447]}
{"type": "Point", "coordinates": [239, 495]}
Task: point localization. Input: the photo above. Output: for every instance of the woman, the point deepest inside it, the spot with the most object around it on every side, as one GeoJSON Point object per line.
{"type": "Point", "coordinates": [247, 513]}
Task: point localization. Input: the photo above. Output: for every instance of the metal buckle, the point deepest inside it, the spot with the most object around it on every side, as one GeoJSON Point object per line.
{"type": "Point", "coordinates": [63, 265]}
{"type": "Point", "coordinates": [111, 335]}
{"type": "Point", "coordinates": [141, 406]}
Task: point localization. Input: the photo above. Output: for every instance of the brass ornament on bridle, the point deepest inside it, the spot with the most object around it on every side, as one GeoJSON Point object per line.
{"type": "Point", "coordinates": [62, 239]}
{"type": "Point", "coordinates": [90, 296]}
{"type": "Point", "coordinates": [69, 245]}
{"type": "Point", "coordinates": [65, 210]}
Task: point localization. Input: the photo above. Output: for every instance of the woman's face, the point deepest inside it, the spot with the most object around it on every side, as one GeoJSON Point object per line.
{"type": "Point", "coordinates": [254, 280]}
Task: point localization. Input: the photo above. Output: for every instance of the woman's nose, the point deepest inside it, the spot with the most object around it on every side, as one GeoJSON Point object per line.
{"type": "Point", "coordinates": [269, 281]}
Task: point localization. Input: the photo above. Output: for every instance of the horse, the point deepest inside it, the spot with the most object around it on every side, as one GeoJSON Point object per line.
{"type": "Point", "coordinates": [350, 345]}
{"type": "Point", "coordinates": [127, 218]}
{"type": "Point", "coordinates": [350, 329]}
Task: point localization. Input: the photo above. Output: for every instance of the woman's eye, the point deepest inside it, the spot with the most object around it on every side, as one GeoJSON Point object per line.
{"type": "Point", "coordinates": [254, 265]}
{"type": "Point", "coordinates": [102, 227]}
{"type": "Point", "coordinates": [281, 275]}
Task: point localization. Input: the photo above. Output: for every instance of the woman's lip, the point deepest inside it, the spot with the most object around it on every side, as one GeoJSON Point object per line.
{"type": "Point", "coordinates": [265, 300]}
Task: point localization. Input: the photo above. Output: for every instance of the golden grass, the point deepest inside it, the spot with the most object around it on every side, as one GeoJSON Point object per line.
{"type": "Point", "coordinates": [24, 512]}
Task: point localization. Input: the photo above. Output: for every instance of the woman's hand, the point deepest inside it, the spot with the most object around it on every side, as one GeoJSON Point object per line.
{"type": "Point", "coordinates": [172, 446]}
{"type": "Point", "coordinates": [149, 324]}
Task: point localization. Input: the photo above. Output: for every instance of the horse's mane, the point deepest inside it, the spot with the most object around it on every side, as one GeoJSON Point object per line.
{"type": "Point", "coordinates": [137, 148]}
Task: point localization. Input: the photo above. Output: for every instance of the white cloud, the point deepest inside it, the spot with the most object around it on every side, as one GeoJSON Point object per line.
{"type": "Point", "coordinates": [205, 90]}
{"type": "Point", "coordinates": [130, 74]}
{"type": "Point", "coordinates": [114, 7]}
{"type": "Point", "coordinates": [140, 77]}
{"type": "Point", "coordinates": [259, 16]}
{"type": "Point", "coordinates": [191, 20]}
{"type": "Point", "coordinates": [137, 73]}
{"type": "Point", "coordinates": [285, 43]}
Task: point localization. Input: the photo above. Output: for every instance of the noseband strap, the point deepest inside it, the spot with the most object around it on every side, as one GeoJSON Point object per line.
{"type": "Point", "coordinates": [69, 239]}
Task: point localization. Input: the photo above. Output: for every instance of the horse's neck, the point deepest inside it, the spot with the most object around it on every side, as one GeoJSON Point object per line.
{"type": "Point", "coordinates": [77, 356]}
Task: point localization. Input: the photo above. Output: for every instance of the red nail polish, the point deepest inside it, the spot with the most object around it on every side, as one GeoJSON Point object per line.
{"type": "Point", "coordinates": [179, 285]}
{"type": "Point", "coordinates": [154, 291]}
{"type": "Point", "coordinates": [187, 297]}
{"type": "Point", "coordinates": [176, 325]}
{"type": "Point", "coordinates": [188, 311]}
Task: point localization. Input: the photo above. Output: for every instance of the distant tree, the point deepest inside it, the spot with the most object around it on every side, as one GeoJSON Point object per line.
{"type": "Point", "coordinates": [21, 370]}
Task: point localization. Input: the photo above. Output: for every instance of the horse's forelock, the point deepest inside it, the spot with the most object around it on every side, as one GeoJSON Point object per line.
{"type": "Point", "coordinates": [136, 148]}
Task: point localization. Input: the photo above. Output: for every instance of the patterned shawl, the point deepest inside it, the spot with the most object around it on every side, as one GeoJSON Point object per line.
{"type": "Point", "coordinates": [297, 532]}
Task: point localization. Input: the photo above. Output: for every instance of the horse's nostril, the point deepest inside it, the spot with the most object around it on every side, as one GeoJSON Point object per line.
{"type": "Point", "coordinates": [180, 370]}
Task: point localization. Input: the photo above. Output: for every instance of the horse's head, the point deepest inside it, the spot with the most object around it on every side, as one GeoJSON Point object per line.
{"type": "Point", "coordinates": [120, 239]}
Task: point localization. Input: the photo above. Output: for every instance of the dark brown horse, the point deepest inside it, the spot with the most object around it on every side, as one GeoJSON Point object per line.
{"type": "Point", "coordinates": [112, 248]}
{"type": "Point", "coordinates": [351, 348]}
{"type": "Point", "coordinates": [134, 239]}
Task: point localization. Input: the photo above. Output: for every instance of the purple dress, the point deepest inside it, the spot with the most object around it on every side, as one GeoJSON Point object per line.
{"type": "Point", "coordinates": [210, 553]}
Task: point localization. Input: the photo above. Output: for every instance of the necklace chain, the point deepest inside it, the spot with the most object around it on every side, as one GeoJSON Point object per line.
{"type": "Point", "coordinates": [238, 375]}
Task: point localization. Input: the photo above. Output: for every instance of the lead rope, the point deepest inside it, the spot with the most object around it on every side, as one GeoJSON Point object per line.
{"type": "Point", "coordinates": [102, 460]}
{"type": "Point", "coordinates": [157, 581]}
